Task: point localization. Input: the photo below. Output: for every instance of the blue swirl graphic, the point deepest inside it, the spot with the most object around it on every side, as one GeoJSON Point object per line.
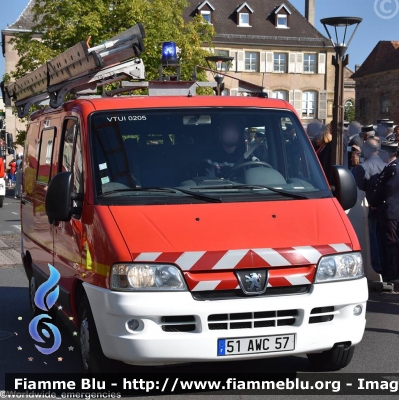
{"type": "Point", "coordinates": [46, 288]}
{"type": "Point", "coordinates": [33, 330]}
{"type": "Point", "coordinates": [45, 297]}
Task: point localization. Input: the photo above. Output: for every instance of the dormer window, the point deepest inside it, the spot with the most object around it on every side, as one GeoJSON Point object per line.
{"type": "Point", "coordinates": [244, 19]}
{"type": "Point", "coordinates": [282, 15]}
{"type": "Point", "coordinates": [207, 16]}
{"type": "Point", "coordinates": [205, 9]}
{"type": "Point", "coordinates": [282, 21]}
{"type": "Point", "coordinates": [244, 15]}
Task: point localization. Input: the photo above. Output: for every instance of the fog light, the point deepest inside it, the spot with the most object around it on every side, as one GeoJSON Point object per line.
{"type": "Point", "coordinates": [133, 324]}
{"type": "Point", "coordinates": [357, 310]}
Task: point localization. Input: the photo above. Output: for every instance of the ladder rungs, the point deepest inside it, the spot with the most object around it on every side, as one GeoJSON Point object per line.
{"type": "Point", "coordinates": [72, 63]}
{"type": "Point", "coordinates": [79, 67]}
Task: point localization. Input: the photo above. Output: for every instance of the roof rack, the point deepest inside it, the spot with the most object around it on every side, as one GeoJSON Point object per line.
{"type": "Point", "coordinates": [79, 68]}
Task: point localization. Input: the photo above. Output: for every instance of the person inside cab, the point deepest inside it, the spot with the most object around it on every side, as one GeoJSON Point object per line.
{"type": "Point", "coordinates": [259, 149]}
{"type": "Point", "coordinates": [230, 149]}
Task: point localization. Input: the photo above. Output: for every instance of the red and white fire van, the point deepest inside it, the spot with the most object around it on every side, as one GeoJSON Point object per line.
{"type": "Point", "coordinates": [171, 251]}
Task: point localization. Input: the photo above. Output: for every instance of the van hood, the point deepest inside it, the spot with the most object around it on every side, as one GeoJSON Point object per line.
{"type": "Point", "coordinates": [226, 236]}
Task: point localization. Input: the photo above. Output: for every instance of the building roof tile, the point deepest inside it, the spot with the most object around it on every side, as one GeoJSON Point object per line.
{"type": "Point", "coordinates": [25, 21]}
{"type": "Point", "coordinates": [384, 57]}
{"type": "Point", "coordinates": [263, 31]}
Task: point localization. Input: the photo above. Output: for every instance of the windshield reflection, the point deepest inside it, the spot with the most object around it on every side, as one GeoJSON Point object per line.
{"type": "Point", "coordinates": [222, 151]}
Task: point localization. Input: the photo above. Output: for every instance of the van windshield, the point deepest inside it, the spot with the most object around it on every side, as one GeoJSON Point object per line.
{"type": "Point", "coordinates": [204, 154]}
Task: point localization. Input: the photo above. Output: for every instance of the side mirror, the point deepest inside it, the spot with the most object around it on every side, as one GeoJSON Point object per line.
{"type": "Point", "coordinates": [58, 197]}
{"type": "Point", "coordinates": [343, 186]}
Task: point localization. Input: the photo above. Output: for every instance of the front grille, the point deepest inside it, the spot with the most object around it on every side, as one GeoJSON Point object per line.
{"type": "Point", "coordinates": [178, 323]}
{"type": "Point", "coordinates": [238, 293]}
{"type": "Point", "coordinates": [259, 319]}
{"type": "Point", "coordinates": [324, 318]}
{"type": "Point", "coordinates": [321, 310]}
{"type": "Point", "coordinates": [327, 314]}
{"type": "Point", "coordinates": [263, 324]}
{"type": "Point", "coordinates": [241, 325]}
{"type": "Point", "coordinates": [179, 328]}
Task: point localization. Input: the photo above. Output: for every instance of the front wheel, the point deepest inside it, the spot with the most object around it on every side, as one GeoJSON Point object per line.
{"type": "Point", "coordinates": [32, 291]}
{"type": "Point", "coordinates": [93, 358]}
{"type": "Point", "coordinates": [332, 360]}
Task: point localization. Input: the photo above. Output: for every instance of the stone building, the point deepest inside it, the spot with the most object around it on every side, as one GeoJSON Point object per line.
{"type": "Point", "coordinates": [377, 84]}
{"type": "Point", "coordinates": [275, 47]}
{"type": "Point", "coordinates": [23, 23]}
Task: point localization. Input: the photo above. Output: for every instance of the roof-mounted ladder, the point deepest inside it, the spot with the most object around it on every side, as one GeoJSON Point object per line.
{"type": "Point", "coordinates": [79, 68]}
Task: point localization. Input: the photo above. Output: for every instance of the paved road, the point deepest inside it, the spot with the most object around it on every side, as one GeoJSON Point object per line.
{"type": "Point", "coordinates": [378, 352]}
{"type": "Point", "coordinates": [10, 223]}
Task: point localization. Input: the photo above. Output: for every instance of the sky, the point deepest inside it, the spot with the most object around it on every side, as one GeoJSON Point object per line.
{"type": "Point", "coordinates": [380, 21]}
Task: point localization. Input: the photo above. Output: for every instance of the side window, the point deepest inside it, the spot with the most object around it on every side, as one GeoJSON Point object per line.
{"type": "Point", "coordinates": [46, 147]}
{"type": "Point", "coordinates": [71, 155]}
{"type": "Point", "coordinates": [78, 165]}
{"type": "Point", "coordinates": [292, 148]}
{"type": "Point", "coordinates": [69, 132]}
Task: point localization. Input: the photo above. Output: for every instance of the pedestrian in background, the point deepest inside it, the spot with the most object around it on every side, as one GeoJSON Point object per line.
{"type": "Point", "coordinates": [13, 169]}
{"type": "Point", "coordinates": [355, 139]}
{"type": "Point", "coordinates": [18, 181]}
{"type": "Point", "coordinates": [396, 133]}
{"type": "Point", "coordinates": [19, 160]}
{"type": "Point", "coordinates": [366, 175]}
{"type": "Point", "coordinates": [355, 134]}
{"type": "Point", "coordinates": [367, 132]}
{"type": "Point", "coordinates": [385, 130]}
{"type": "Point", "coordinates": [324, 151]}
{"type": "Point", "coordinates": [355, 158]}
{"type": "Point", "coordinates": [8, 177]}
{"type": "Point", "coordinates": [313, 130]}
{"type": "Point", "coordinates": [385, 197]}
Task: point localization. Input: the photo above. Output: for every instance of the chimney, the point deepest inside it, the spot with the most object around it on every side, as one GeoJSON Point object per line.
{"type": "Point", "coordinates": [310, 10]}
{"type": "Point", "coordinates": [357, 66]}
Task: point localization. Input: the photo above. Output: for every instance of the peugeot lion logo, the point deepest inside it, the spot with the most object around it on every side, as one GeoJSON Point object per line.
{"type": "Point", "coordinates": [253, 281]}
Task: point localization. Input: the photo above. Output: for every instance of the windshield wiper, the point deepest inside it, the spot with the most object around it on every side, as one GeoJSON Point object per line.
{"type": "Point", "coordinates": [138, 189]}
{"type": "Point", "coordinates": [199, 196]}
{"type": "Point", "coordinates": [165, 190]}
{"type": "Point", "coordinates": [244, 186]}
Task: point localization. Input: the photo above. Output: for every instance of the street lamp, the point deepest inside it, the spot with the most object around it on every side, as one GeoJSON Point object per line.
{"type": "Point", "coordinates": [340, 61]}
{"type": "Point", "coordinates": [217, 65]}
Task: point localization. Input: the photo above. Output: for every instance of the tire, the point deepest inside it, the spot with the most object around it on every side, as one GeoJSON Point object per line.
{"type": "Point", "coordinates": [93, 358]}
{"type": "Point", "coordinates": [332, 360]}
{"type": "Point", "coordinates": [32, 290]}
{"type": "Point", "coordinates": [33, 308]}
{"type": "Point", "coordinates": [1, 201]}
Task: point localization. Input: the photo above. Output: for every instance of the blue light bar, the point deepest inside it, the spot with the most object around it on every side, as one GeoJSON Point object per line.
{"type": "Point", "coordinates": [169, 53]}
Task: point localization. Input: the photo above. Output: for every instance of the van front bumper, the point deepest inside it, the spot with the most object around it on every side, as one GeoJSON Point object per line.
{"type": "Point", "coordinates": [153, 344]}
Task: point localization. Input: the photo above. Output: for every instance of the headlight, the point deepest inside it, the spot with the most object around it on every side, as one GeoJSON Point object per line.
{"type": "Point", "coordinates": [146, 277]}
{"type": "Point", "coordinates": [339, 267]}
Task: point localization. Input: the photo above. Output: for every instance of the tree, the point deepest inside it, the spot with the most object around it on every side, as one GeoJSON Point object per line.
{"type": "Point", "coordinates": [349, 112]}
{"type": "Point", "coordinates": [60, 24]}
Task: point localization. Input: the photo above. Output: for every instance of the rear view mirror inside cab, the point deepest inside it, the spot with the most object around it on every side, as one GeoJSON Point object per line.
{"type": "Point", "coordinates": [197, 120]}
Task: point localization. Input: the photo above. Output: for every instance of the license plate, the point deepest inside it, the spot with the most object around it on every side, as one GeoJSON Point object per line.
{"type": "Point", "coordinates": [256, 344]}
